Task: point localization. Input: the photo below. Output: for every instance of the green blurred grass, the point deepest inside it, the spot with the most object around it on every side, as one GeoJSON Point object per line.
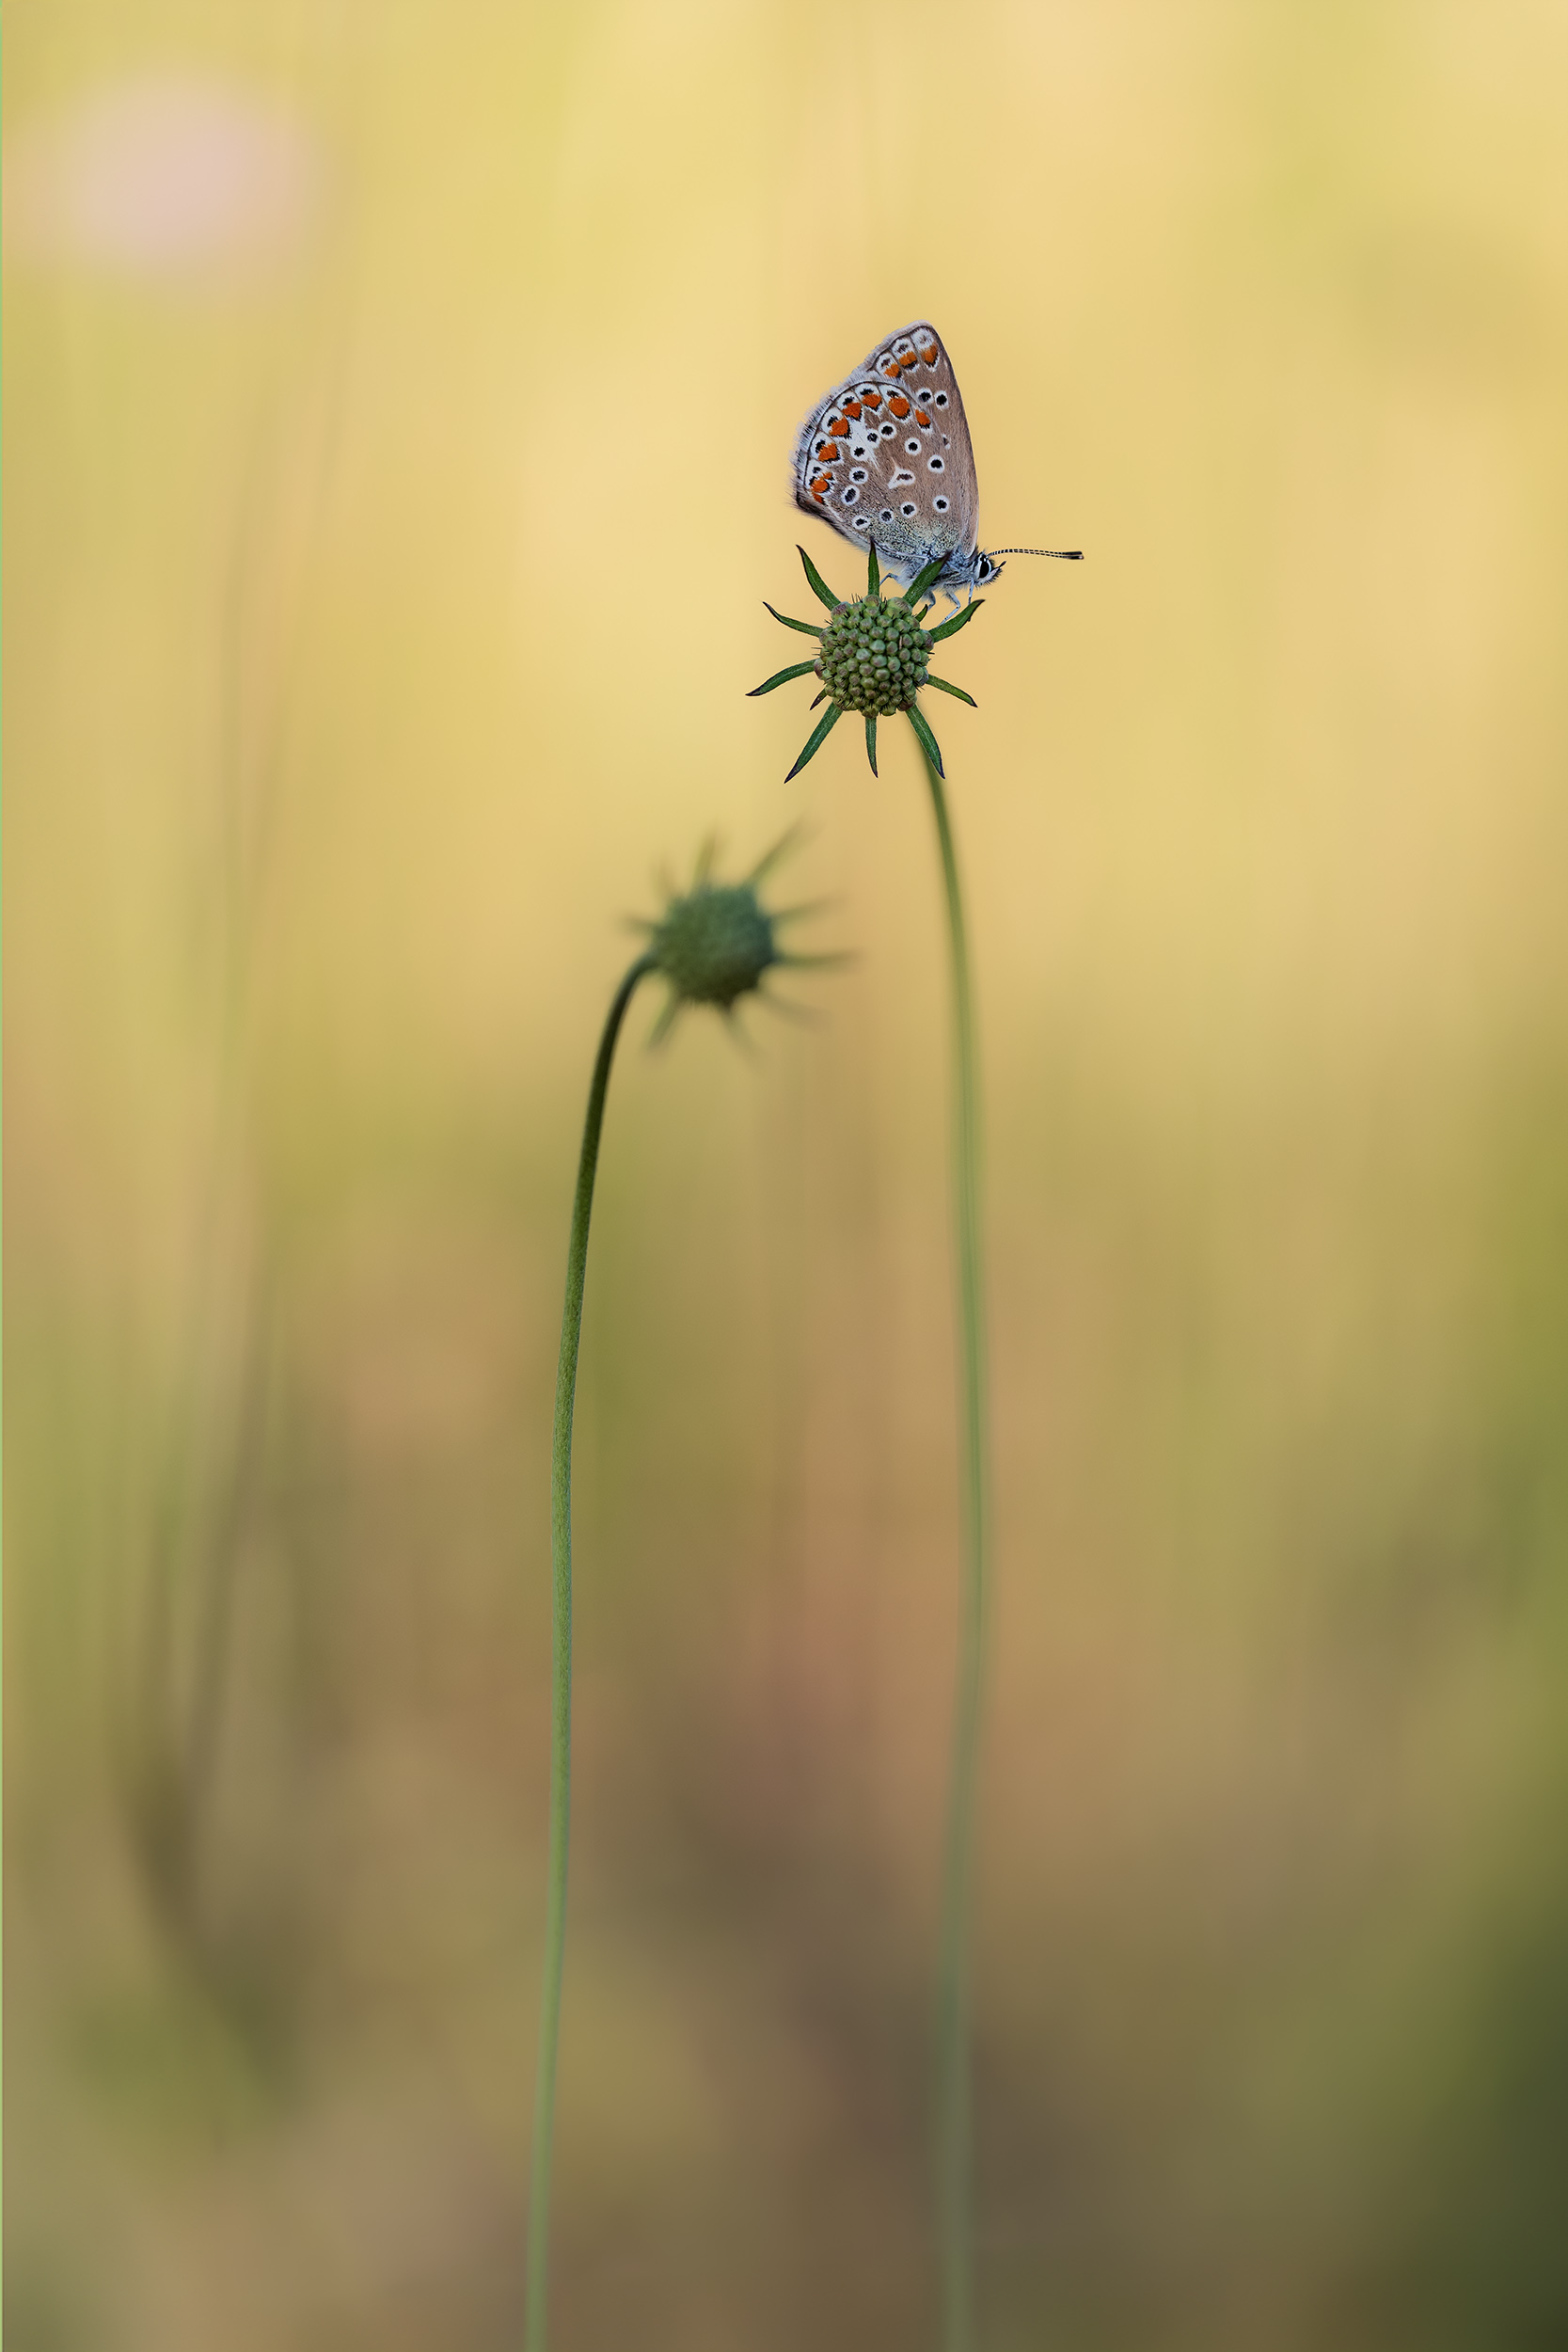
{"type": "Point", "coordinates": [377, 618]}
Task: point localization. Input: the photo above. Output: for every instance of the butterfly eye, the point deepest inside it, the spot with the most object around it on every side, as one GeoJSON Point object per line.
{"type": "Point", "coordinates": [941, 506]}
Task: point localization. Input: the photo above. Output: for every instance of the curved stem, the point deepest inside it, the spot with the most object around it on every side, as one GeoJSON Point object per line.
{"type": "Point", "coordinates": [954, 2099]}
{"type": "Point", "coordinates": [561, 1692]}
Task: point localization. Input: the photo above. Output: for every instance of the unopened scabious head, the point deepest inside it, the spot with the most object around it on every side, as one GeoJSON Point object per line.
{"type": "Point", "coordinates": [717, 942]}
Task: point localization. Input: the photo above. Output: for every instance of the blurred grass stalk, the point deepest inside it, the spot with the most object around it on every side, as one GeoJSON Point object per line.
{"type": "Point", "coordinates": [214, 1453]}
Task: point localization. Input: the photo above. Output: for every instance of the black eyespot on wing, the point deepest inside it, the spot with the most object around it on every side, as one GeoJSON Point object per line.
{"type": "Point", "coordinates": [941, 400]}
{"type": "Point", "coordinates": [850, 497]}
{"type": "Point", "coordinates": [858, 474]}
{"type": "Point", "coordinates": [907, 507]}
{"type": "Point", "coordinates": [941, 506]}
{"type": "Point", "coordinates": [935, 464]}
{"type": "Point", "coordinates": [911, 445]}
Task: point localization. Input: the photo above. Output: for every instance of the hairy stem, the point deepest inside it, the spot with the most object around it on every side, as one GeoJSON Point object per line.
{"type": "Point", "coordinates": [561, 1680]}
{"type": "Point", "coordinates": [954, 2097]}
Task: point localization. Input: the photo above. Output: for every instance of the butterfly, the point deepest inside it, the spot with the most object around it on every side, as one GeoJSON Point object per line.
{"type": "Point", "coordinates": [886, 459]}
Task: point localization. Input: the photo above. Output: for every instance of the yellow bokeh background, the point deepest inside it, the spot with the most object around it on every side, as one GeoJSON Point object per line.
{"type": "Point", "coordinates": [383, 579]}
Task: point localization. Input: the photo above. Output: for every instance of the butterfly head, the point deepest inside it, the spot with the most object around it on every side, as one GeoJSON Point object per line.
{"type": "Point", "coordinates": [964, 573]}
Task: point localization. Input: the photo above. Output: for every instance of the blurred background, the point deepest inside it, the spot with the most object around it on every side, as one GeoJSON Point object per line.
{"type": "Point", "coordinates": [399, 402]}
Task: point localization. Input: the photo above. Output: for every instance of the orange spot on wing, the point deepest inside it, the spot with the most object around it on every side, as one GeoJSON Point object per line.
{"type": "Point", "coordinates": [826, 450]}
{"type": "Point", "coordinates": [928, 352]}
{"type": "Point", "coordinates": [838, 425]}
{"type": "Point", "coordinates": [921, 418]}
{"type": "Point", "coordinates": [873, 400]}
{"type": "Point", "coordinates": [851, 407]}
{"type": "Point", "coordinates": [898, 405]}
{"type": "Point", "coordinates": [892, 369]}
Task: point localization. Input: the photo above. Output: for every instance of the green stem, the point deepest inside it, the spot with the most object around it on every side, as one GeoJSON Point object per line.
{"type": "Point", "coordinates": [560, 1683]}
{"type": "Point", "coordinates": [954, 2099]}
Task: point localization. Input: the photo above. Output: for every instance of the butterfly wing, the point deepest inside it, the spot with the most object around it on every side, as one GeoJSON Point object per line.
{"type": "Point", "coordinates": [886, 457]}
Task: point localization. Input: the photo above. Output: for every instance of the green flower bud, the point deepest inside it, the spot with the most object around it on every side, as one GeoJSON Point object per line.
{"type": "Point", "coordinates": [872, 656]}
{"type": "Point", "coordinates": [715, 943]}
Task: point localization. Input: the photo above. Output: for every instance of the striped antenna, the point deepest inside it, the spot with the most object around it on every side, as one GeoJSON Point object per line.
{"type": "Point", "coordinates": [1065, 555]}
